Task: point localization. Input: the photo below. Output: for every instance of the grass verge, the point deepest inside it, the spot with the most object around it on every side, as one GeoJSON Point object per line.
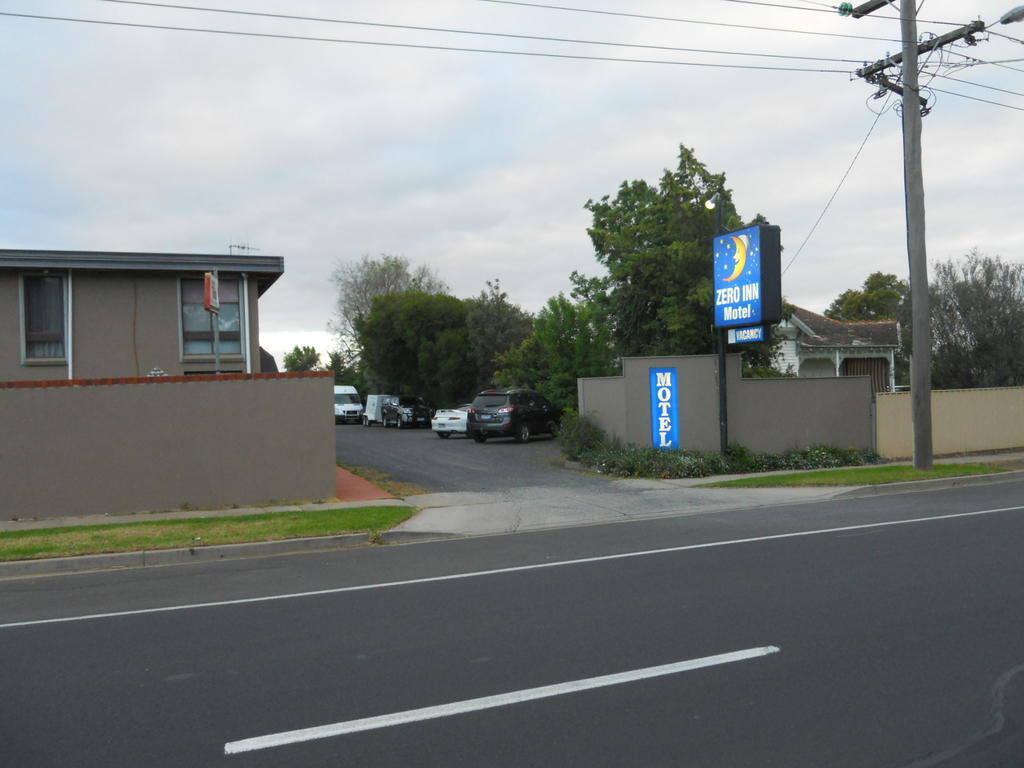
{"type": "Point", "coordinates": [858, 476]}
{"type": "Point", "coordinates": [195, 532]}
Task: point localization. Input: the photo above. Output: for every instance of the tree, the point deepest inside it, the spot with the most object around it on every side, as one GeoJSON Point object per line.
{"type": "Point", "coordinates": [495, 325]}
{"type": "Point", "coordinates": [346, 371]}
{"type": "Point", "coordinates": [417, 343]}
{"type": "Point", "coordinates": [656, 244]}
{"type": "Point", "coordinates": [359, 283]}
{"type": "Point", "coordinates": [570, 339]}
{"type": "Point", "coordinates": [977, 322]}
{"type": "Point", "coordinates": [302, 359]}
{"type": "Point", "coordinates": [878, 299]}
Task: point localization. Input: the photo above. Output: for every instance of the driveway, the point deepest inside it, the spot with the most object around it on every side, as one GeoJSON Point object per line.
{"type": "Point", "coordinates": [502, 486]}
{"type": "Point", "coordinates": [457, 464]}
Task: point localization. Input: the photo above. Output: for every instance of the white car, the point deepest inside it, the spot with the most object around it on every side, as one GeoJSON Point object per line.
{"type": "Point", "coordinates": [450, 421]}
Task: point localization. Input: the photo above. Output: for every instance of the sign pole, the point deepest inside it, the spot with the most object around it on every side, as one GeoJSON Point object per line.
{"type": "Point", "coordinates": [747, 295]}
{"type": "Point", "coordinates": [216, 332]}
{"type": "Point", "coordinates": [723, 402]}
{"type": "Point", "coordinates": [723, 407]}
{"type": "Point", "coordinates": [211, 302]}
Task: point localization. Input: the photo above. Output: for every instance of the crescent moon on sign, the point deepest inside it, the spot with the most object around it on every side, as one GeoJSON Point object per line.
{"type": "Point", "coordinates": [742, 243]}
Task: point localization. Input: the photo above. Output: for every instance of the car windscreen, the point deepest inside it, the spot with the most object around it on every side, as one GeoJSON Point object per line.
{"type": "Point", "coordinates": [409, 401]}
{"type": "Point", "coordinates": [490, 401]}
{"type": "Point", "coordinates": [346, 399]}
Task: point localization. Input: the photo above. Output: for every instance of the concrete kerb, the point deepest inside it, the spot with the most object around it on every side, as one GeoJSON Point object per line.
{"type": "Point", "coordinates": [915, 486]}
{"type": "Point", "coordinates": [59, 565]}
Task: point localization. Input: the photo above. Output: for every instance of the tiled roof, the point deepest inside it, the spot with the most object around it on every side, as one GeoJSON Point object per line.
{"type": "Point", "coordinates": [832, 333]}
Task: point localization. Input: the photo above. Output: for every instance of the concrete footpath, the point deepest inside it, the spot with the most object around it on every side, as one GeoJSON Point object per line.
{"type": "Point", "coordinates": [448, 515]}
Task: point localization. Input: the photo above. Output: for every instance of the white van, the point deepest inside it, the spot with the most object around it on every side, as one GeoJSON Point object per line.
{"type": "Point", "coordinates": [348, 408]}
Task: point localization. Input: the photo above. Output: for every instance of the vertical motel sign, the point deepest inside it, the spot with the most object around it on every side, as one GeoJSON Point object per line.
{"type": "Point", "coordinates": [665, 408]}
{"type": "Point", "coordinates": [748, 282]}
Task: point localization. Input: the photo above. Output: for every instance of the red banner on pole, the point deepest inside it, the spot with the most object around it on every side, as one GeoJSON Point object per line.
{"type": "Point", "coordinates": [211, 296]}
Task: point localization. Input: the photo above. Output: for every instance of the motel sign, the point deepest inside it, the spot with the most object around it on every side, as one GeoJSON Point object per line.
{"type": "Point", "coordinates": [748, 279]}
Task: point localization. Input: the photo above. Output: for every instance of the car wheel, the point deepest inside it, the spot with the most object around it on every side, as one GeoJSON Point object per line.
{"type": "Point", "coordinates": [553, 427]}
{"type": "Point", "coordinates": [523, 433]}
{"type": "Point", "coordinates": [444, 435]}
{"type": "Point", "coordinates": [478, 438]}
{"type": "Point", "coordinates": [366, 422]}
{"type": "Point", "coordinates": [401, 424]}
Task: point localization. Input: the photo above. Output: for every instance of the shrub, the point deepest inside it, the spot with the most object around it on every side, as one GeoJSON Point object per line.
{"type": "Point", "coordinates": [611, 458]}
{"type": "Point", "coordinates": [579, 435]}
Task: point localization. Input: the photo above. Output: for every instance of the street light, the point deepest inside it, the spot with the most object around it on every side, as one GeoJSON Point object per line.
{"type": "Point", "coordinates": [1017, 14]}
{"type": "Point", "coordinates": [713, 203]}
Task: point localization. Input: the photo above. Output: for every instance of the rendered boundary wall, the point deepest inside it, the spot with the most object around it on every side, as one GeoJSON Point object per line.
{"type": "Point", "coordinates": [113, 446]}
{"type": "Point", "coordinates": [963, 420]}
{"type": "Point", "coordinates": [765, 415]}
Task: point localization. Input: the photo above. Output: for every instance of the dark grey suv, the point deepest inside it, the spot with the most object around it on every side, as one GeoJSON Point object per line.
{"type": "Point", "coordinates": [517, 413]}
{"type": "Point", "coordinates": [406, 411]}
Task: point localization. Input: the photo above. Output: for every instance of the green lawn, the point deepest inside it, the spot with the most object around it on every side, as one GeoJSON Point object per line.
{"type": "Point", "coordinates": [195, 532]}
{"type": "Point", "coordinates": [893, 473]}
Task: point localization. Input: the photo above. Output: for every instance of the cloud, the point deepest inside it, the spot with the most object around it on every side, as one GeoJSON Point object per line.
{"type": "Point", "coordinates": [477, 164]}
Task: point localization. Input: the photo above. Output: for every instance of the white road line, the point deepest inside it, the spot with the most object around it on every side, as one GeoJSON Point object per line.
{"type": "Point", "coordinates": [499, 571]}
{"type": "Point", "coordinates": [487, 702]}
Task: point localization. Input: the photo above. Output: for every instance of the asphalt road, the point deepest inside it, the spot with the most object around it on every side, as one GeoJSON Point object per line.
{"type": "Point", "coordinates": [420, 457]}
{"type": "Point", "coordinates": [872, 637]}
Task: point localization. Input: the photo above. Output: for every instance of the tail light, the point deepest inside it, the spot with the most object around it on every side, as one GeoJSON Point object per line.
{"type": "Point", "coordinates": [471, 410]}
{"type": "Point", "coordinates": [507, 409]}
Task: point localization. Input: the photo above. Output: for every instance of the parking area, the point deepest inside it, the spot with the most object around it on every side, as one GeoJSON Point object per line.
{"type": "Point", "coordinates": [458, 464]}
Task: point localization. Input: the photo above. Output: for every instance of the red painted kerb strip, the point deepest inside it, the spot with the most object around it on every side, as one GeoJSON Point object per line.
{"type": "Point", "coordinates": [163, 379]}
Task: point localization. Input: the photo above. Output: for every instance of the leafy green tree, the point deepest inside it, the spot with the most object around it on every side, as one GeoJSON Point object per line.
{"type": "Point", "coordinates": [878, 299]}
{"type": "Point", "coordinates": [570, 339]}
{"type": "Point", "coordinates": [977, 323]}
{"type": "Point", "coordinates": [495, 326]}
{"type": "Point", "coordinates": [302, 359]}
{"type": "Point", "coordinates": [417, 343]}
{"type": "Point", "coordinates": [656, 245]}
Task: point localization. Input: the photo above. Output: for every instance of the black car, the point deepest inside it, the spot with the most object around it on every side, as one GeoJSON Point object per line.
{"type": "Point", "coordinates": [406, 411]}
{"type": "Point", "coordinates": [516, 413]}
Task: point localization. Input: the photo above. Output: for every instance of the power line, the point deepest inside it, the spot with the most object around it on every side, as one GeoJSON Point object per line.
{"type": "Point", "coordinates": [973, 61]}
{"type": "Point", "coordinates": [688, 21]}
{"type": "Point", "coordinates": [1003, 34]}
{"type": "Point", "coordinates": [415, 28]}
{"type": "Point", "coordinates": [418, 46]}
{"type": "Point", "coordinates": [978, 85]}
{"type": "Point", "coordinates": [838, 186]}
{"type": "Point", "coordinates": [975, 98]}
{"type": "Point", "coordinates": [829, 9]}
{"type": "Point", "coordinates": [832, 9]}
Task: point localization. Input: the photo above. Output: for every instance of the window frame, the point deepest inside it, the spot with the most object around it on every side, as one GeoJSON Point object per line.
{"type": "Point", "coordinates": [65, 331]}
{"type": "Point", "coordinates": [243, 324]}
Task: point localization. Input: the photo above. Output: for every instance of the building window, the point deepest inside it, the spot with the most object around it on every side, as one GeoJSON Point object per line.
{"type": "Point", "coordinates": [44, 320]}
{"type": "Point", "coordinates": [197, 323]}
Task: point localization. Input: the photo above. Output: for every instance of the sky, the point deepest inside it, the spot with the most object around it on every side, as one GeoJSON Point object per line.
{"type": "Point", "coordinates": [479, 164]}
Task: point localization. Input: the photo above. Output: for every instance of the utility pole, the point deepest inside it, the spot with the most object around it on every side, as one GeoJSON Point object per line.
{"type": "Point", "coordinates": [920, 359]}
{"type": "Point", "coordinates": [913, 107]}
